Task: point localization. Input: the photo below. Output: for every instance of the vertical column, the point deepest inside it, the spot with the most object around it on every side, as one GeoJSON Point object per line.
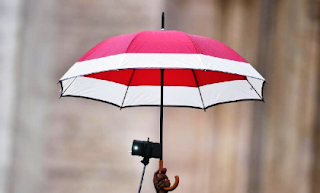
{"type": "Point", "coordinates": [10, 22]}
{"type": "Point", "coordinates": [264, 60]}
{"type": "Point", "coordinates": [289, 118]}
{"type": "Point", "coordinates": [34, 87]}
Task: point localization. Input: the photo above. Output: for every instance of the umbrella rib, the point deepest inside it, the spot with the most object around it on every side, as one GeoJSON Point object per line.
{"type": "Point", "coordinates": [127, 89]}
{"type": "Point", "coordinates": [68, 86]}
{"type": "Point", "coordinates": [194, 75]}
{"type": "Point", "coordinates": [254, 89]}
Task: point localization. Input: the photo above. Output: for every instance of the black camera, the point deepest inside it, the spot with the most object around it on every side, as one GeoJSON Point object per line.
{"type": "Point", "coordinates": [146, 149]}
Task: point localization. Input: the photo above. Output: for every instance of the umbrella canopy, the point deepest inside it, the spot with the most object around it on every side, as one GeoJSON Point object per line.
{"type": "Point", "coordinates": [199, 72]}
{"type": "Point", "coordinates": [162, 68]}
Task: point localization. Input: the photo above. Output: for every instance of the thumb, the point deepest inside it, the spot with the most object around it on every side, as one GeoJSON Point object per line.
{"type": "Point", "coordinates": [163, 170]}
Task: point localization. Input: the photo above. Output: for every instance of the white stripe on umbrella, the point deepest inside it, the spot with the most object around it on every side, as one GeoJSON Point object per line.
{"type": "Point", "coordinates": [115, 93]}
{"type": "Point", "coordinates": [166, 61]}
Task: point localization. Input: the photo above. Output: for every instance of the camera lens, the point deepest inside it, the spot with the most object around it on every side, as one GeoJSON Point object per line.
{"type": "Point", "coordinates": [138, 148]}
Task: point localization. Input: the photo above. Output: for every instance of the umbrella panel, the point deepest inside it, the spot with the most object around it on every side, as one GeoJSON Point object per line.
{"type": "Point", "coordinates": [182, 87]}
{"type": "Point", "coordinates": [173, 77]}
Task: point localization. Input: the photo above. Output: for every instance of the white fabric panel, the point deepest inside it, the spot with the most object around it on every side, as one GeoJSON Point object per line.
{"type": "Point", "coordinates": [67, 83]}
{"type": "Point", "coordinates": [162, 61]}
{"type": "Point", "coordinates": [257, 84]}
{"type": "Point", "coordinates": [229, 66]}
{"type": "Point", "coordinates": [136, 95]}
{"type": "Point", "coordinates": [96, 89]}
{"type": "Point", "coordinates": [227, 91]}
{"type": "Point", "coordinates": [150, 95]}
{"type": "Point", "coordinates": [132, 60]}
{"type": "Point", "coordinates": [173, 96]}
{"type": "Point", "coordinates": [94, 66]}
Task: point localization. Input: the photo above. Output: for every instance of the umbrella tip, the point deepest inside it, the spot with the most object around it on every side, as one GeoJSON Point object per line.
{"type": "Point", "coordinates": [162, 21]}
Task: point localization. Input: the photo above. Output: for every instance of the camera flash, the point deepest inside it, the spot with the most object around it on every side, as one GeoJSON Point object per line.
{"type": "Point", "coordinates": [135, 147]}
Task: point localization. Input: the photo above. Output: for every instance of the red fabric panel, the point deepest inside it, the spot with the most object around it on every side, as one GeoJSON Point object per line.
{"type": "Point", "coordinates": [112, 46]}
{"type": "Point", "coordinates": [162, 42]}
{"type": "Point", "coordinates": [211, 77]}
{"type": "Point", "coordinates": [211, 47]}
{"type": "Point", "coordinates": [118, 76]}
{"type": "Point", "coordinates": [172, 77]}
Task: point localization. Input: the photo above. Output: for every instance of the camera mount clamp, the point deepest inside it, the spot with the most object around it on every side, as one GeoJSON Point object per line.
{"type": "Point", "coordinates": [145, 162]}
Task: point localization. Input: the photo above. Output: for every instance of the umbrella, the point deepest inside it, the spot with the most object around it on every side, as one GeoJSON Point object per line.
{"type": "Point", "coordinates": [162, 68]}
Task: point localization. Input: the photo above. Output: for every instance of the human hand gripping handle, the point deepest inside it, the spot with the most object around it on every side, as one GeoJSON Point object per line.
{"type": "Point", "coordinates": [161, 181]}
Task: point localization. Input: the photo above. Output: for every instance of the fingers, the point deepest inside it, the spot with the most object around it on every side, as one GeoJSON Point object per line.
{"type": "Point", "coordinates": [157, 172]}
{"type": "Point", "coordinates": [159, 175]}
{"type": "Point", "coordinates": [160, 179]}
{"type": "Point", "coordinates": [163, 183]}
{"type": "Point", "coordinates": [155, 176]}
{"type": "Point", "coordinates": [163, 170]}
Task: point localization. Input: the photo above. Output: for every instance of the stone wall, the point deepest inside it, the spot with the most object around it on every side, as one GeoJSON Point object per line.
{"type": "Point", "coordinates": [70, 145]}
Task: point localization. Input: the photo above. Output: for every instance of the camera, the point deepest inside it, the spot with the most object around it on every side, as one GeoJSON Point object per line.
{"type": "Point", "coordinates": [146, 149]}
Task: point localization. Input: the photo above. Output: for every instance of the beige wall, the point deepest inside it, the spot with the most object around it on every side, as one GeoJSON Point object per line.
{"type": "Point", "coordinates": [9, 19]}
{"type": "Point", "coordinates": [77, 145]}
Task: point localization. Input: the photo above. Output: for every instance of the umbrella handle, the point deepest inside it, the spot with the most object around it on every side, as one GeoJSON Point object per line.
{"type": "Point", "coordinates": [176, 183]}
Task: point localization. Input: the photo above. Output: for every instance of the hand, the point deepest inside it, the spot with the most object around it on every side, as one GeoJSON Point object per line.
{"type": "Point", "coordinates": [160, 180]}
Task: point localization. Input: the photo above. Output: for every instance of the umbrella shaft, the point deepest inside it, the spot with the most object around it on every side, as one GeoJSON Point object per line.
{"type": "Point", "coordinates": [161, 114]}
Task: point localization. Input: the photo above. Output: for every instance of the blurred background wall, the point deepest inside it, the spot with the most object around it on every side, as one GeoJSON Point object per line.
{"type": "Point", "coordinates": [71, 145]}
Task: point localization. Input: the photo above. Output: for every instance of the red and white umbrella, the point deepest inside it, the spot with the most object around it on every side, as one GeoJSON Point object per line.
{"type": "Point", "coordinates": [162, 68]}
{"type": "Point", "coordinates": [198, 72]}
